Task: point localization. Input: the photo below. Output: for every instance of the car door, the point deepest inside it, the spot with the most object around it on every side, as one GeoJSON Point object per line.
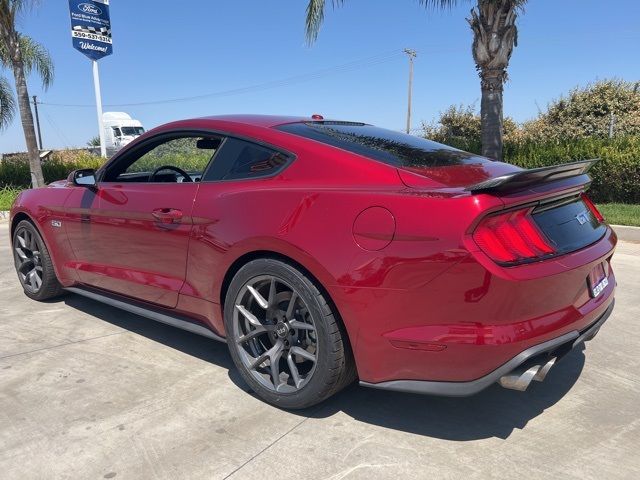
{"type": "Point", "coordinates": [240, 167]}
{"type": "Point", "coordinates": [131, 237]}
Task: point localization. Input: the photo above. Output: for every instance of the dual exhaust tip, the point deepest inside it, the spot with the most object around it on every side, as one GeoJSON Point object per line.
{"type": "Point", "coordinates": [520, 378]}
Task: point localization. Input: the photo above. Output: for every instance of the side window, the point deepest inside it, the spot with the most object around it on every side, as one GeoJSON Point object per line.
{"type": "Point", "coordinates": [238, 159]}
{"type": "Point", "coordinates": [190, 154]}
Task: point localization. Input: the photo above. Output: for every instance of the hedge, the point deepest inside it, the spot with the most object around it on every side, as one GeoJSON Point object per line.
{"type": "Point", "coordinates": [616, 178]}
{"type": "Point", "coordinates": [15, 172]}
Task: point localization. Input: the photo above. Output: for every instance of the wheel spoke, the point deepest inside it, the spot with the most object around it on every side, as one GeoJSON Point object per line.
{"type": "Point", "coordinates": [20, 252]}
{"type": "Point", "coordinates": [295, 375]}
{"type": "Point", "coordinates": [259, 298]}
{"type": "Point", "coordinates": [253, 320]}
{"type": "Point", "coordinates": [291, 306]}
{"type": "Point", "coordinates": [32, 278]}
{"type": "Point", "coordinates": [297, 325]}
{"type": "Point", "coordinates": [251, 335]}
{"type": "Point", "coordinates": [260, 359]}
{"type": "Point", "coordinates": [25, 267]}
{"type": "Point", "coordinates": [303, 353]}
{"type": "Point", "coordinates": [274, 361]}
{"type": "Point", "coordinates": [272, 292]}
{"type": "Point", "coordinates": [32, 242]}
{"type": "Point", "coordinates": [21, 241]}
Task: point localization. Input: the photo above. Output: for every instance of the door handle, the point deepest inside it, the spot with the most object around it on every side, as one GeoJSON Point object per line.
{"type": "Point", "coordinates": [167, 215]}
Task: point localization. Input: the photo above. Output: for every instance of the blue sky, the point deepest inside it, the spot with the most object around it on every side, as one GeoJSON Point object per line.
{"type": "Point", "coordinates": [201, 47]}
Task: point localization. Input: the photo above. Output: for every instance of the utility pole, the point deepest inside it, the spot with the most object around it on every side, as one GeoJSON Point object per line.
{"type": "Point", "coordinates": [35, 107]}
{"type": "Point", "coordinates": [612, 124]}
{"type": "Point", "coordinates": [411, 54]}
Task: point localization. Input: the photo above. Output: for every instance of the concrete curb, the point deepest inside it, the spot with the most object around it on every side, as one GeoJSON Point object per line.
{"type": "Point", "coordinates": [627, 234]}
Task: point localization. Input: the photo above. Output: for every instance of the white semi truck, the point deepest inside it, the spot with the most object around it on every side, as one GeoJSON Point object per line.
{"type": "Point", "coordinates": [119, 130]}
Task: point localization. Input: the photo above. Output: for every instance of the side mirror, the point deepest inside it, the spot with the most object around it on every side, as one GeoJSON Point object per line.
{"type": "Point", "coordinates": [84, 178]}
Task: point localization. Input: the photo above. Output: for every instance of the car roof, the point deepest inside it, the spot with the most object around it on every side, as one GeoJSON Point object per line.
{"type": "Point", "coordinates": [267, 121]}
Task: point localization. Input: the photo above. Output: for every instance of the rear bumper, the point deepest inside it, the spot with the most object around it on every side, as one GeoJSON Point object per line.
{"type": "Point", "coordinates": [554, 348]}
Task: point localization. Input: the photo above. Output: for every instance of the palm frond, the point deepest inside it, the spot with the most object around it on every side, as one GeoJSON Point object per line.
{"type": "Point", "coordinates": [315, 16]}
{"type": "Point", "coordinates": [448, 4]}
{"type": "Point", "coordinates": [440, 4]}
{"type": "Point", "coordinates": [7, 104]}
{"type": "Point", "coordinates": [36, 57]}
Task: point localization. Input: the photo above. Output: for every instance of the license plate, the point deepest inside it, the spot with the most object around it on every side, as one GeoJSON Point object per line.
{"type": "Point", "coordinates": [598, 280]}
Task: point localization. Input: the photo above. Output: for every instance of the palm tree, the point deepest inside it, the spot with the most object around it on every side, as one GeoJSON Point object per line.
{"type": "Point", "coordinates": [22, 55]}
{"type": "Point", "coordinates": [495, 34]}
{"type": "Point", "coordinates": [7, 103]}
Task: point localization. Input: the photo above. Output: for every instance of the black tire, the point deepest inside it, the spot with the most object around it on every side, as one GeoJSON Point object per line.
{"type": "Point", "coordinates": [26, 241]}
{"type": "Point", "coordinates": [333, 367]}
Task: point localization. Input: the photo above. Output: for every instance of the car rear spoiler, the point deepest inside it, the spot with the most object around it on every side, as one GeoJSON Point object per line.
{"type": "Point", "coordinates": [534, 176]}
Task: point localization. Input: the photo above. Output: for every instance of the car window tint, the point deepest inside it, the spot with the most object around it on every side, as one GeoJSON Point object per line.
{"type": "Point", "coordinates": [178, 152]}
{"type": "Point", "coordinates": [239, 159]}
{"type": "Point", "coordinates": [394, 148]}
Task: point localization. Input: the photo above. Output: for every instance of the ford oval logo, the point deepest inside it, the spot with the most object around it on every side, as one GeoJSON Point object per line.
{"type": "Point", "coordinates": [89, 9]}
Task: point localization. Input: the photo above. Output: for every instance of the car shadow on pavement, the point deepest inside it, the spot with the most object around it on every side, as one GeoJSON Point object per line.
{"type": "Point", "coordinates": [494, 412]}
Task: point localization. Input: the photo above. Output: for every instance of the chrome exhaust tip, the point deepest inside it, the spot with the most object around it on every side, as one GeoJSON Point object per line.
{"type": "Point", "coordinates": [520, 378]}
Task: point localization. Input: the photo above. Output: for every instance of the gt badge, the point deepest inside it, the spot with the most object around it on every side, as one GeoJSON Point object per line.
{"type": "Point", "coordinates": [582, 217]}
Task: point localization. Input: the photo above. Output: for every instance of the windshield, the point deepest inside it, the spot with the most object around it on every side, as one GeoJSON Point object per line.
{"type": "Point", "coordinates": [394, 148]}
{"type": "Point", "coordinates": [132, 130]}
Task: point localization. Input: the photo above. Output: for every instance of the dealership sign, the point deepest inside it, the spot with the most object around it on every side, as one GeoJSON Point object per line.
{"type": "Point", "coordinates": [91, 27]}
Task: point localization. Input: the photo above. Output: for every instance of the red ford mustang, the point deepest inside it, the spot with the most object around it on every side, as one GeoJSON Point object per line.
{"type": "Point", "coordinates": [325, 251]}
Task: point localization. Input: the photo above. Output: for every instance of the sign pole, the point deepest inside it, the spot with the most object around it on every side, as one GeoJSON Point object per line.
{"type": "Point", "coordinates": [96, 86]}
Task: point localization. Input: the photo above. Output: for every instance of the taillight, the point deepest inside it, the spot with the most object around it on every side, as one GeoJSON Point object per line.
{"type": "Point", "coordinates": [592, 207]}
{"type": "Point", "coordinates": [512, 237]}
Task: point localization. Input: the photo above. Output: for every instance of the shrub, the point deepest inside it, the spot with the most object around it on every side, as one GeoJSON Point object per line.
{"type": "Point", "coordinates": [461, 125]}
{"type": "Point", "coordinates": [616, 178]}
{"type": "Point", "coordinates": [15, 173]}
{"type": "Point", "coordinates": [588, 111]}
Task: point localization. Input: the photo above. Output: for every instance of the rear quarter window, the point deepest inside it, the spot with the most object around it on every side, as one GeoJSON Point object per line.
{"type": "Point", "coordinates": [239, 159]}
{"type": "Point", "coordinates": [393, 148]}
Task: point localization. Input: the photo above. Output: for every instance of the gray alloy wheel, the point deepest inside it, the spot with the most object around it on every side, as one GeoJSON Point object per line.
{"type": "Point", "coordinates": [275, 334]}
{"type": "Point", "coordinates": [33, 263]}
{"type": "Point", "coordinates": [285, 336]}
{"type": "Point", "coordinates": [28, 262]}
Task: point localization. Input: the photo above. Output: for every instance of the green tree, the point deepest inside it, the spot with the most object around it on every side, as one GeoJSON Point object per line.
{"type": "Point", "coordinates": [94, 142]}
{"type": "Point", "coordinates": [495, 34]}
{"type": "Point", "coordinates": [22, 55]}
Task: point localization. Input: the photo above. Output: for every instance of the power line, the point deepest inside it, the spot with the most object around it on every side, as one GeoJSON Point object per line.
{"type": "Point", "coordinates": [346, 67]}
{"type": "Point", "coordinates": [61, 136]}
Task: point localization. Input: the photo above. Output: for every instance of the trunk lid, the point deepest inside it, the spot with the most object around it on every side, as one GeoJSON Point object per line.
{"type": "Point", "coordinates": [569, 223]}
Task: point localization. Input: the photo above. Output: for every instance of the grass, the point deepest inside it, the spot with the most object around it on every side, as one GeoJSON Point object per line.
{"type": "Point", "coordinates": [621, 213]}
{"type": "Point", "coordinates": [7, 196]}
